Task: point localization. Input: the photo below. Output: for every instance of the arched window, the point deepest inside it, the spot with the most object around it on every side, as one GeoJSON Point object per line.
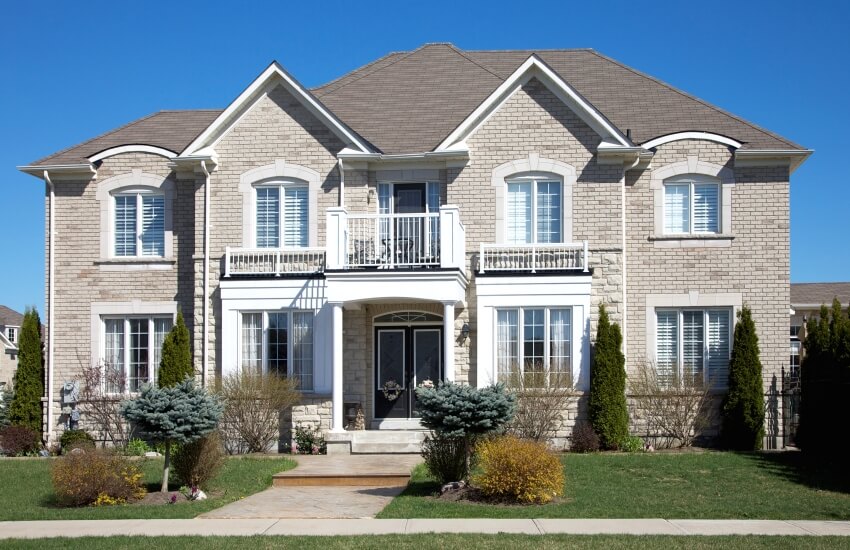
{"type": "Point", "coordinates": [692, 204]}
{"type": "Point", "coordinates": [534, 210]}
{"type": "Point", "coordinates": [283, 214]}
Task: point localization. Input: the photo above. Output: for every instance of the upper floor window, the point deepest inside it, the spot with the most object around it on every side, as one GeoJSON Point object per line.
{"type": "Point", "coordinates": [534, 210]}
{"type": "Point", "coordinates": [691, 204]}
{"type": "Point", "coordinates": [139, 224]}
{"type": "Point", "coordinates": [12, 333]}
{"type": "Point", "coordinates": [693, 345]}
{"type": "Point", "coordinates": [283, 215]}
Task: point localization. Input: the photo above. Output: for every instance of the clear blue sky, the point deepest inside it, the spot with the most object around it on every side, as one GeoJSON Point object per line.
{"type": "Point", "coordinates": [72, 70]}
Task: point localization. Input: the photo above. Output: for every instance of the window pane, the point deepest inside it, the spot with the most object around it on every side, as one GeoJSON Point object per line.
{"type": "Point", "coordinates": [268, 217]}
{"type": "Point", "coordinates": [113, 356]}
{"type": "Point", "coordinates": [125, 225]}
{"type": "Point", "coordinates": [153, 225]}
{"type": "Point", "coordinates": [677, 205]}
{"type": "Point", "coordinates": [693, 345]}
{"type": "Point", "coordinates": [718, 348]}
{"type": "Point", "coordinates": [560, 329]}
{"type": "Point", "coordinates": [138, 354]}
{"type": "Point", "coordinates": [161, 327]}
{"type": "Point", "coordinates": [519, 213]}
{"type": "Point", "coordinates": [706, 208]}
{"type": "Point", "coordinates": [278, 333]}
{"type": "Point", "coordinates": [533, 346]}
{"type": "Point", "coordinates": [549, 212]}
{"type": "Point", "coordinates": [252, 342]}
{"type": "Point", "coordinates": [384, 207]}
{"type": "Point", "coordinates": [296, 216]}
{"type": "Point", "coordinates": [302, 349]}
{"type": "Point", "coordinates": [667, 345]}
{"type": "Point", "coordinates": [507, 349]}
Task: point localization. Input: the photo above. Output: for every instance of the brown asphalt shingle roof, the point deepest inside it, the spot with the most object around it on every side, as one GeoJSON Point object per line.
{"type": "Point", "coordinates": [819, 293]}
{"type": "Point", "coordinates": [10, 317]}
{"type": "Point", "coordinates": [408, 102]}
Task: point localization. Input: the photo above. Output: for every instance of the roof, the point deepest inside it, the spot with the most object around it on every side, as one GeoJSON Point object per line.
{"type": "Point", "coordinates": [408, 102]}
{"type": "Point", "coordinates": [817, 294]}
{"type": "Point", "coordinates": [10, 317]}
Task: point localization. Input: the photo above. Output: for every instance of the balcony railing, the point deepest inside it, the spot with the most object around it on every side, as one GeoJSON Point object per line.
{"type": "Point", "coordinates": [273, 261]}
{"type": "Point", "coordinates": [533, 257]}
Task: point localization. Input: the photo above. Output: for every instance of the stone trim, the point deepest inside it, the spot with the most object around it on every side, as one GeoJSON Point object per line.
{"type": "Point", "coordinates": [284, 172]}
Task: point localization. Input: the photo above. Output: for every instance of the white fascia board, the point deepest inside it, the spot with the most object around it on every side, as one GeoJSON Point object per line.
{"type": "Point", "coordinates": [133, 148]}
{"type": "Point", "coordinates": [792, 158]}
{"type": "Point", "coordinates": [253, 92]}
{"type": "Point", "coordinates": [60, 171]}
{"type": "Point", "coordinates": [348, 154]}
{"type": "Point", "coordinates": [534, 67]}
{"type": "Point", "coordinates": [717, 138]}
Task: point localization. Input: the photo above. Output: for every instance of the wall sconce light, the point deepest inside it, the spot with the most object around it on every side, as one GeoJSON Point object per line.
{"type": "Point", "coordinates": [464, 332]}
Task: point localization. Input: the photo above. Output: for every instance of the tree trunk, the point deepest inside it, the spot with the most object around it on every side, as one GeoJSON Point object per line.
{"type": "Point", "coordinates": [166, 467]}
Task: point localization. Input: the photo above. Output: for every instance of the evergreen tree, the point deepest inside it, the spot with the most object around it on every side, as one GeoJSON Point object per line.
{"type": "Point", "coordinates": [180, 413]}
{"type": "Point", "coordinates": [609, 414]}
{"type": "Point", "coordinates": [6, 396]}
{"type": "Point", "coordinates": [176, 363]}
{"type": "Point", "coordinates": [25, 409]}
{"type": "Point", "coordinates": [743, 407]}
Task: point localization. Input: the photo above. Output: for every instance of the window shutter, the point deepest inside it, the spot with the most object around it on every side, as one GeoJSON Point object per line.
{"type": "Point", "coordinates": [153, 225]}
{"type": "Point", "coordinates": [666, 345]}
{"type": "Point", "coordinates": [718, 348]}
{"type": "Point", "coordinates": [295, 217]}
{"type": "Point", "coordinates": [549, 212]}
{"type": "Point", "coordinates": [677, 209]}
{"type": "Point", "coordinates": [268, 217]}
{"type": "Point", "coordinates": [519, 213]}
{"type": "Point", "coordinates": [125, 225]}
{"type": "Point", "coordinates": [706, 208]}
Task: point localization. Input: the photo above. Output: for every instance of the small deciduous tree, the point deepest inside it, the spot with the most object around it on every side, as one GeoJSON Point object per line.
{"type": "Point", "coordinates": [607, 407]}
{"type": "Point", "coordinates": [542, 399]}
{"type": "Point", "coordinates": [25, 409]}
{"type": "Point", "coordinates": [176, 363]}
{"type": "Point", "coordinates": [743, 407]}
{"type": "Point", "coordinates": [101, 389]}
{"type": "Point", "coordinates": [181, 413]}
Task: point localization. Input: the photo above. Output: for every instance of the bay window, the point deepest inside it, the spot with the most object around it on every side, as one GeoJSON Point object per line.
{"type": "Point", "coordinates": [139, 228]}
{"type": "Point", "coordinates": [691, 205]}
{"type": "Point", "coordinates": [534, 344]}
{"type": "Point", "coordinates": [534, 210]}
{"type": "Point", "coordinates": [280, 343]}
{"type": "Point", "coordinates": [282, 211]}
{"type": "Point", "coordinates": [133, 349]}
{"type": "Point", "coordinates": [693, 346]}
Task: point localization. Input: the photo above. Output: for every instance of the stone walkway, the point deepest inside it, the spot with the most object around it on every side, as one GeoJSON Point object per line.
{"type": "Point", "coordinates": [247, 527]}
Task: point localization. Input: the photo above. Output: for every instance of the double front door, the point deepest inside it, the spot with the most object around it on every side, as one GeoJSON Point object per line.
{"type": "Point", "coordinates": [404, 358]}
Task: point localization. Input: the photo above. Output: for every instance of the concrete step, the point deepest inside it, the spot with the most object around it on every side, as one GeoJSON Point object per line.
{"type": "Point", "coordinates": [348, 470]}
{"type": "Point", "coordinates": [376, 442]}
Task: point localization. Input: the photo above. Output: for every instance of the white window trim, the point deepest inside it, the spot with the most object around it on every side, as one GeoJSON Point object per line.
{"type": "Point", "coordinates": [692, 180]}
{"type": "Point", "coordinates": [546, 338]}
{"type": "Point", "coordinates": [428, 183]}
{"type": "Point", "coordinates": [265, 340]}
{"type": "Point", "coordinates": [534, 165]}
{"type": "Point", "coordinates": [138, 194]}
{"type": "Point", "coordinates": [696, 167]}
{"type": "Point", "coordinates": [12, 334]}
{"type": "Point", "coordinates": [153, 368]}
{"type": "Point", "coordinates": [283, 173]}
{"type": "Point", "coordinates": [680, 336]}
{"type": "Point", "coordinates": [281, 186]}
{"type": "Point", "coordinates": [534, 178]}
{"type": "Point", "coordinates": [133, 182]}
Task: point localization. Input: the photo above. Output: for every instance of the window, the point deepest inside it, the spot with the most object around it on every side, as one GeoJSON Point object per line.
{"type": "Point", "coordinates": [139, 224]}
{"type": "Point", "coordinates": [133, 347]}
{"type": "Point", "coordinates": [282, 216]}
{"type": "Point", "coordinates": [794, 366]}
{"type": "Point", "coordinates": [534, 343]}
{"type": "Point", "coordinates": [534, 211]}
{"type": "Point", "coordinates": [691, 205]}
{"type": "Point", "coordinates": [279, 342]}
{"type": "Point", "coordinates": [795, 331]}
{"type": "Point", "coordinates": [12, 333]}
{"type": "Point", "coordinates": [693, 345]}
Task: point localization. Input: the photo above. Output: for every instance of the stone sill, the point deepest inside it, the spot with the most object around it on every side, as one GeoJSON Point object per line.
{"type": "Point", "coordinates": [696, 240]}
{"type": "Point", "coordinates": [135, 264]}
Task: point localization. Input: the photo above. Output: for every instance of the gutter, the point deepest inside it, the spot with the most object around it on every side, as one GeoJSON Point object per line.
{"type": "Point", "coordinates": [792, 158]}
{"type": "Point", "coordinates": [51, 318]}
{"type": "Point", "coordinates": [38, 170]}
{"type": "Point", "coordinates": [206, 337]}
{"type": "Point", "coordinates": [381, 157]}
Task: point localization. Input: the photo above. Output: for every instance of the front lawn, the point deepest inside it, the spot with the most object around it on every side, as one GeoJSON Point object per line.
{"type": "Point", "coordinates": [26, 492]}
{"type": "Point", "coordinates": [708, 485]}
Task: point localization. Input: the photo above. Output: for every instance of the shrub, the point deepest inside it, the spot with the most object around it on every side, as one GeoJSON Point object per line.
{"type": "Point", "coordinates": [198, 462]}
{"type": "Point", "coordinates": [176, 363]}
{"type": "Point", "coordinates": [19, 441]}
{"type": "Point", "coordinates": [72, 439]}
{"type": "Point", "coordinates": [7, 394]}
{"type": "Point", "coordinates": [542, 398]}
{"type": "Point", "coordinates": [632, 444]}
{"type": "Point", "coordinates": [518, 470]}
{"type": "Point", "coordinates": [137, 447]}
{"type": "Point", "coordinates": [309, 441]}
{"type": "Point", "coordinates": [253, 403]}
{"type": "Point", "coordinates": [101, 385]}
{"type": "Point", "coordinates": [445, 457]}
{"type": "Point", "coordinates": [96, 476]}
{"type": "Point", "coordinates": [607, 407]}
{"type": "Point", "coordinates": [743, 408]}
{"type": "Point", "coordinates": [584, 439]}
{"type": "Point", "coordinates": [25, 409]}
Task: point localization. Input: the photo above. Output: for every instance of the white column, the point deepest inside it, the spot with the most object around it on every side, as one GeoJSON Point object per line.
{"type": "Point", "coordinates": [449, 340]}
{"type": "Point", "coordinates": [336, 405]}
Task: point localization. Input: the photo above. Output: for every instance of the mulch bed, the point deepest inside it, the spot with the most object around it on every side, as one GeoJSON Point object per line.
{"type": "Point", "coordinates": [472, 495]}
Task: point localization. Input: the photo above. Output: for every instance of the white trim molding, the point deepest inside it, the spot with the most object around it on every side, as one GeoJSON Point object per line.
{"type": "Point", "coordinates": [708, 136]}
{"type": "Point", "coordinates": [151, 149]}
{"type": "Point", "coordinates": [530, 165]}
{"type": "Point", "coordinates": [133, 180]}
{"type": "Point", "coordinates": [791, 158]}
{"type": "Point", "coordinates": [283, 172]}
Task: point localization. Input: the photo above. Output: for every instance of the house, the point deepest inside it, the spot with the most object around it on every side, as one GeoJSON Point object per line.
{"type": "Point", "coordinates": [806, 301]}
{"type": "Point", "coordinates": [10, 328]}
{"type": "Point", "coordinates": [436, 214]}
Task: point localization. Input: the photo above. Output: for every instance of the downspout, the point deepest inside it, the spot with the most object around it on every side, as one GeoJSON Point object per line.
{"type": "Point", "coordinates": [50, 309]}
{"type": "Point", "coordinates": [206, 270]}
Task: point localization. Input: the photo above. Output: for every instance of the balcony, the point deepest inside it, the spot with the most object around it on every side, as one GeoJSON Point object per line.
{"type": "Point", "coordinates": [533, 258]}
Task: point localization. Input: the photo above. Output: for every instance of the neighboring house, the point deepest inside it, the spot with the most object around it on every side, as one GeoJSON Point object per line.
{"type": "Point", "coordinates": [806, 301]}
{"type": "Point", "coordinates": [436, 214]}
{"type": "Point", "coordinates": [10, 330]}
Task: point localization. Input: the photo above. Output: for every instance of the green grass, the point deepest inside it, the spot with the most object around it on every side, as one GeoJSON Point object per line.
{"type": "Point", "coordinates": [27, 492]}
{"type": "Point", "coordinates": [710, 485]}
{"type": "Point", "coordinates": [441, 541]}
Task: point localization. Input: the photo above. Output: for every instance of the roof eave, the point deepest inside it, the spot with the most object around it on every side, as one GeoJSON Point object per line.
{"type": "Point", "coordinates": [61, 171]}
{"type": "Point", "coordinates": [791, 158]}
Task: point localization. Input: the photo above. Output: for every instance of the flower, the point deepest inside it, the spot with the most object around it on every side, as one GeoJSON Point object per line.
{"type": "Point", "coordinates": [173, 498]}
{"type": "Point", "coordinates": [427, 383]}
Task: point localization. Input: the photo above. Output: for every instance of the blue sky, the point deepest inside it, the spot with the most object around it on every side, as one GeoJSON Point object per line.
{"type": "Point", "coordinates": [72, 70]}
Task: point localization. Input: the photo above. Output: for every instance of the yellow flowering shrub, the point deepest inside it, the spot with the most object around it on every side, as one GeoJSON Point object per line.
{"type": "Point", "coordinates": [518, 470]}
{"type": "Point", "coordinates": [96, 476]}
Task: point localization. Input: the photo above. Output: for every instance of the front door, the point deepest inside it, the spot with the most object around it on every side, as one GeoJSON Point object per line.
{"type": "Point", "coordinates": [404, 358]}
